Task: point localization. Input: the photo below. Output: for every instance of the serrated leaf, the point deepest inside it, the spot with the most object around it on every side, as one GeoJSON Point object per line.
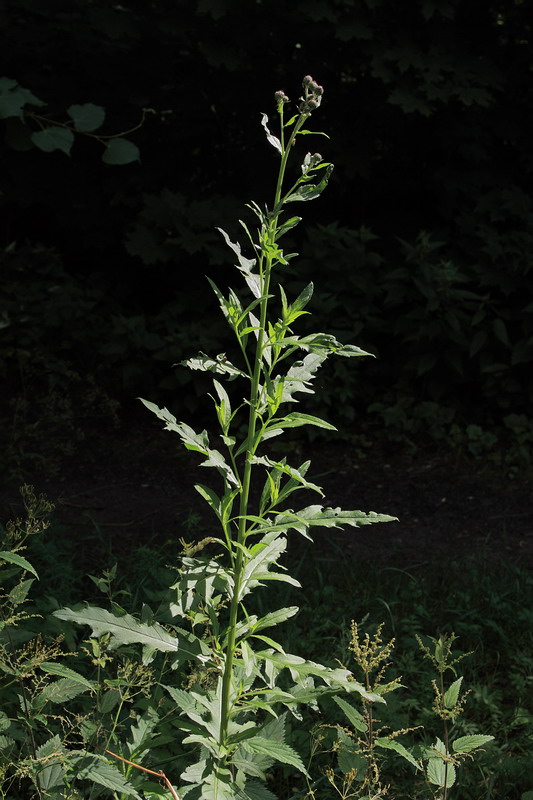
{"type": "Point", "coordinates": [452, 694]}
{"type": "Point", "coordinates": [277, 750]}
{"type": "Point", "coordinates": [465, 744]}
{"type": "Point", "coordinates": [14, 558]}
{"type": "Point", "coordinates": [51, 775]}
{"type": "Point", "coordinates": [54, 138]}
{"type": "Point", "coordinates": [58, 692]}
{"type": "Point", "coordinates": [440, 773]}
{"type": "Point", "coordinates": [352, 714]}
{"type": "Point", "coordinates": [87, 117]}
{"type": "Point", "coordinates": [121, 151]}
{"type": "Point", "coordinates": [52, 668]}
{"type": "Point", "coordinates": [393, 744]}
{"type": "Point", "coordinates": [123, 629]}
{"type": "Point", "coordinates": [97, 769]}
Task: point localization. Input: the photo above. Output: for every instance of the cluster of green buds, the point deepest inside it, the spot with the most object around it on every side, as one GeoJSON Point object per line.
{"type": "Point", "coordinates": [312, 95]}
{"type": "Point", "coordinates": [309, 102]}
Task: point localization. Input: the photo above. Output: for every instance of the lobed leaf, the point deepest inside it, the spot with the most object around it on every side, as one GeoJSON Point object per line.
{"type": "Point", "coordinates": [123, 629]}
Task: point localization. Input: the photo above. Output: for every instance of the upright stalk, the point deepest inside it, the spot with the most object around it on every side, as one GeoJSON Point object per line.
{"type": "Point", "coordinates": [251, 432]}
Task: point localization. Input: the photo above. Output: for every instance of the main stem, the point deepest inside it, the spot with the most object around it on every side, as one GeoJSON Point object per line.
{"type": "Point", "coordinates": [252, 421]}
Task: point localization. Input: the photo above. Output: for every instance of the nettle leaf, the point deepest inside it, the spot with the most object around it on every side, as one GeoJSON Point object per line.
{"type": "Point", "coordinates": [277, 750]}
{"type": "Point", "coordinates": [54, 138]}
{"type": "Point", "coordinates": [96, 768]}
{"type": "Point", "coordinates": [64, 672]}
{"type": "Point", "coordinates": [352, 714]}
{"type": "Point", "coordinates": [58, 692]}
{"type": "Point", "coordinates": [440, 773]}
{"type": "Point", "coordinates": [465, 744]}
{"type": "Point", "coordinates": [123, 629]}
{"type": "Point", "coordinates": [121, 151]}
{"type": "Point", "coordinates": [452, 694]}
{"type": "Point", "coordinates": [273, 140]}
{"type": "Point", "coordinates": [393, 744]}
{"type": "Point", "coordinates": [86, 117]}
{"type": "Point", "coordinates": [14, 558]}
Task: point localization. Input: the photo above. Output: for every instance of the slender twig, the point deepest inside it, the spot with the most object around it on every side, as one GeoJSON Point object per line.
{"type": "Point", "coordinates": [161, 775]}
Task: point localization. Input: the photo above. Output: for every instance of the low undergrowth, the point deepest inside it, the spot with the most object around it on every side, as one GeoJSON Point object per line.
{"type": "Point", "coordinates": [487, 605]}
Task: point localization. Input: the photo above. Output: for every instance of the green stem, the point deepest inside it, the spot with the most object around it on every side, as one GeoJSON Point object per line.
{"type": "Point", "coordinates": [251, 435]}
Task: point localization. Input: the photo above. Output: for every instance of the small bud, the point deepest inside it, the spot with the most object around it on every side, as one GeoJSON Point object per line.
{"type": "Point", "coordinates": [281, 97]}
{"type": "Point", "coordinates": [307, 81]}
{"type": "Point", "coordinates": [318, 90]}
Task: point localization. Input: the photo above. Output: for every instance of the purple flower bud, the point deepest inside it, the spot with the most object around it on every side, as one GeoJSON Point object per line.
{"type": "Point", "coordinates": [318, 90]}
{"type": "Point", "coordinates": [307, 81]}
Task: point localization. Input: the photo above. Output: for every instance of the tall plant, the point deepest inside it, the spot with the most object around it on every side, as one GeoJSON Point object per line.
{"type": "Point", "coordinates": [243, 680]}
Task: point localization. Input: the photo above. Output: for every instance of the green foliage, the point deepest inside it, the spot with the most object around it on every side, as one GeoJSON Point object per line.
{"type": "Point", "coordinates": [49, 134]}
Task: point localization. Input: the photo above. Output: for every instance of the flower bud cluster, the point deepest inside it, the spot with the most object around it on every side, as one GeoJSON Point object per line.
{"type": "Point", "coordinates": [281, 98]}
{"type": "Point", "coordinates": [312, 95]}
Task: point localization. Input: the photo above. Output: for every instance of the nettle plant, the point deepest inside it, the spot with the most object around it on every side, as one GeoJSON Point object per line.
{"type": "Point", "coordinates": [242, 683]}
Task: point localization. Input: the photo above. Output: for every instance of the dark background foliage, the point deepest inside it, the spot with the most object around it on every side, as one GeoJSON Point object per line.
{"type": "Point", "coordinates": [420, 249]}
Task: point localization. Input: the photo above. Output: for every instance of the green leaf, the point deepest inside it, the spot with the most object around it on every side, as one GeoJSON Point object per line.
{"type": "Point", "coordinates": [52, 668]}
{"type": "Point", "coordinates": [309, 191]}
{"type": "Point", "coordinates": [300, 375]}
{"type": "Point", "coordinates": [296, 420]}
{"type": "Point", "coordinates": [14, 558]}
{"type": "Point", "coordinates": [19, 593]}
{"type": "Point", "coordinates": [318, 516]}
{"type": "Point", "coordinates": [51, 776]}
{"type": "Point", "coordinates": [13, 97]}
{"type": "Point", "coordinates": [393, 744]}
{"type": "Point", "coordinates": [58, 692]}
{"type": "Point", "coordinates": [120, 151]}
{"type": "Point", "coordinates": [465, 744]}
{"type": "Point", "coordinates": [300, 669]}
{"type": "Point", "coordinates": [86, 117]}
{"type": "Point", "coordinates": [219, 365]}
{"type": "Point", "coordinates": [352, 714]}
{"type": "Point", "coordinates": [452, 694]}
{"type": "Point", "coordinates": [54, 138]}
{"type": "Point", "coordinates": [97, 769]}
{"type": "Point", "coordinates": [123, 629]}
{"type": "Point", "coordinates": [277, 750]}
{"type": "Point", "coordinates": [274, 618]}
{"type": "Point", "coordinates": [349, 757]}
{"type": "Point", "coordinates": [438, 772]}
